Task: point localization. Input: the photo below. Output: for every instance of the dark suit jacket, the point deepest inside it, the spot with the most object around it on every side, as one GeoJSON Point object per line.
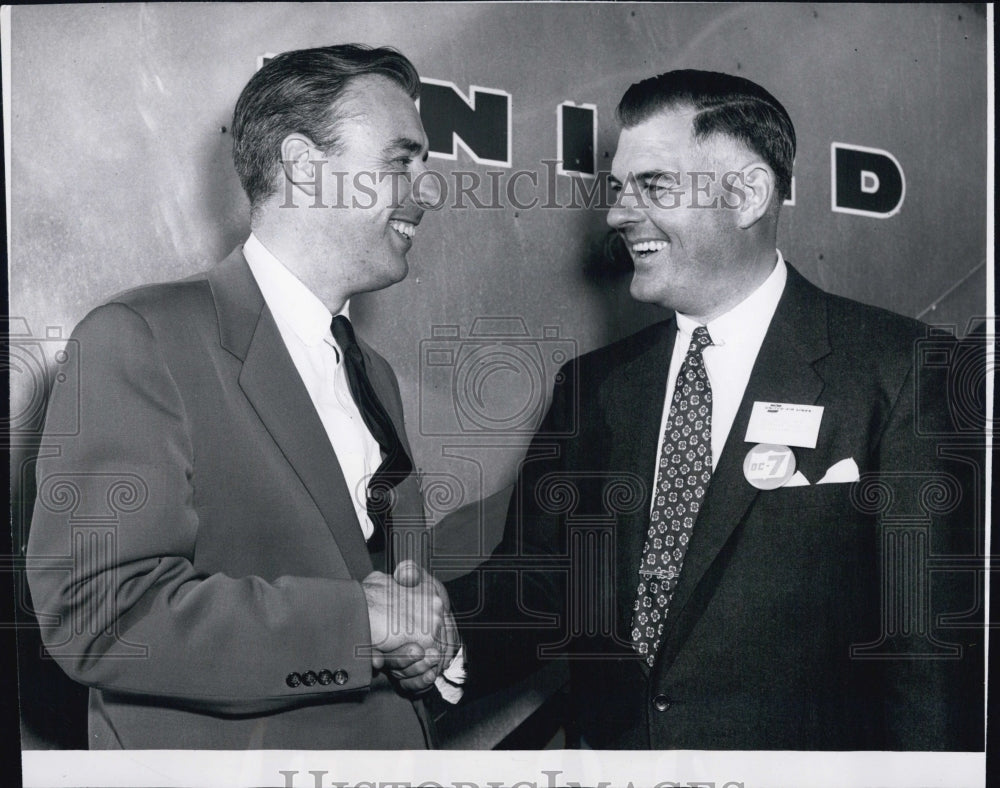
{"type": "Point", "coordinates": [195, 543]}
{"type": "Point", "coordinates": [805, 617]}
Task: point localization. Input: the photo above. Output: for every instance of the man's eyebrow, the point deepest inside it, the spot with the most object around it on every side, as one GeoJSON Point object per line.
{"type": "Point", "coordinates": [652, 175]}
{"type": "Point", "coordinates": [645, 175]}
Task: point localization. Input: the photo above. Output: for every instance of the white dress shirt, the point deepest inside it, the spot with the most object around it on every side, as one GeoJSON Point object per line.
{"type": "Point", "coordinates": [304, 323]}
{"type": "Point", "coordinates": [736, 339]}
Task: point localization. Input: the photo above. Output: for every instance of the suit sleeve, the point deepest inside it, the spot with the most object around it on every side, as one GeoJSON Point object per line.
{"type": "Point", "coordinates": [111, 554]}
{"type": "Point", "coordinates": [932, 590]}
{"type": "Point", "coordinates": [511, 609]}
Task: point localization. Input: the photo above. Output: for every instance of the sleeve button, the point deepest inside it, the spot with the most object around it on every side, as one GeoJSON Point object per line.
{"type": "Point", "coordinates": [325, 677]}
{"type": "Point", "coordinates": [340, 677]}
{"type": "Point", "coordinates": [293, 679]}
{"type": "Point", "coordinates": [309, 678]}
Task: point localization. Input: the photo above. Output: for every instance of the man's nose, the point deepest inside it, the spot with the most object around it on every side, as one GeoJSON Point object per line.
{"type": "Point", "coordinates": [426, 187]}
{"type": "Point", "coordinates": [623, 213]}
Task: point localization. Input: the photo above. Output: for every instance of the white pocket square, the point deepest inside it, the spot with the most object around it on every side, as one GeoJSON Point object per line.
{"type": "Point", "coordinates": [841, 472]}
{"type": "Point", "coordinates": [797, 480]}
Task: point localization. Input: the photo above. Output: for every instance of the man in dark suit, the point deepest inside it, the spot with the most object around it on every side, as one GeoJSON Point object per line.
{"type": "Point", "coordinates": [727, 522]}
{"type": "Point", "coordinates": [211, 553]}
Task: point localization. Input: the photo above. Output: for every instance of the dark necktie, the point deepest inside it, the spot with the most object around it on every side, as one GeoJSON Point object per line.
{"type": "Point", "coordinates": [396, 465]}
{"type": "Point", "coordinates": [684, 472]}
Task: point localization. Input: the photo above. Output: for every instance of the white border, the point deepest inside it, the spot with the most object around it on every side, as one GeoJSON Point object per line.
{"type": "Point", "coordinates": [470, 101]}
{"type": "Point", "coordinates": [833, 180]}
{"type": "Point", "coordinates": [560, 170]}
{"type": "Point", "coordinates": [515, 769]}
{"type": "Point", "coordinates": [991, 338]}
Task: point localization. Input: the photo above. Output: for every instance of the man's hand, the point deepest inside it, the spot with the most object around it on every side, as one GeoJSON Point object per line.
{"type": "Point", "coordinates": [407, 610]}
{"type": "Point", "coordinates": [417, 669]}
{"type": "Point", "coordinates": [414, 667]}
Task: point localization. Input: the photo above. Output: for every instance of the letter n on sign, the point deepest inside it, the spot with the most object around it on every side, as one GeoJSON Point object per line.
{"type": "Point", "coordinates": [480, 124]}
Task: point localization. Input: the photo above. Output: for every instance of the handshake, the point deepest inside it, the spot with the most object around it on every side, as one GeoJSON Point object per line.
{"type": "Point", "coordinates": [413, 634]}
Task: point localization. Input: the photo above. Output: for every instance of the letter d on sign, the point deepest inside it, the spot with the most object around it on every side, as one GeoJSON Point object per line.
{"type": "Point", "coordinates": [865, 181]}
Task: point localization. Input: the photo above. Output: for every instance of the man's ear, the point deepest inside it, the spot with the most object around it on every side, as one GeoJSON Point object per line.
{"type": "Point", "coordinates": [759, 186]}
{"type": "Point", "coordinates": [297, 162]}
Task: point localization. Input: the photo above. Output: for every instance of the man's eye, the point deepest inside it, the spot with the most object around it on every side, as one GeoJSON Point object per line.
{"type": "Point", "coordinates": [660, 185]}
{"type": "Point", "coordinates": [614, 187]}
{"type": "Point", "coordinates": [399, 164]}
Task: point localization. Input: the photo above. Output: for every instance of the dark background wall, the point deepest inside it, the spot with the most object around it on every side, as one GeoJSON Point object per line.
{"type": "Point", "coordinates": [120, 174]}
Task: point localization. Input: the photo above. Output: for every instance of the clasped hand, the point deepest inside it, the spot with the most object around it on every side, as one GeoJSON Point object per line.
{"type": "Point", "coordinates": [413, 633]}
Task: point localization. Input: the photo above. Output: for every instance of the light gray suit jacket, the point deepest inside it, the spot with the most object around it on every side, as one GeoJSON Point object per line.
{"type": "Point", "coordinates": [194, 545]}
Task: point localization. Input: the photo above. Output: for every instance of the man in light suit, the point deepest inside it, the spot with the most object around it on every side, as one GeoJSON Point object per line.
{"type": "Point", "coordinates": [212, 552]}
{"type": "Point", "coordinates": [727, 521]}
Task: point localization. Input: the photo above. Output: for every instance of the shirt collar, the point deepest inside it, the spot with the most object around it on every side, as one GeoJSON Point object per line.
{"type": "Point", "coordinates": [287, 297]}
{"type": "Point", "coordinates": [748, 321]}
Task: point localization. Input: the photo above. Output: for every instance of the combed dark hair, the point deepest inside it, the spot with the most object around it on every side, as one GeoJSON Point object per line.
{"type": "Point", "coordinates": [725, 104]}
{"type": "Point", "coordinates": [296, 92]}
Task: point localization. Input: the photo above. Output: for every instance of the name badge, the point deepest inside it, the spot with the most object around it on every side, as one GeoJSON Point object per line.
{"type": "Point", "coordinates": [784, 424]}
{"type": "Point", "coordinates": [768, 466]}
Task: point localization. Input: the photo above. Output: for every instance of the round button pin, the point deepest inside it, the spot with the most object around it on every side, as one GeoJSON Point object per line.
{"type": "Point", "coordinates": [769, 465]}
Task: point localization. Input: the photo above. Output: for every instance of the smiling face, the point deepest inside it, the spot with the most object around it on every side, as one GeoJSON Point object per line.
{"type": "Point", "coordinates": [677, 209]}
{"type": "Point", "coordinates": [371, 188]}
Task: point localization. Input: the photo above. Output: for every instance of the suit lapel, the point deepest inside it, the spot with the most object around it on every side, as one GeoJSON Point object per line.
{"type": "Point", "coordinates": [273, 386]}
{"type": "Point", "coordinates": [633, 404]}
{"type": "Point", "coordinates": [783, 372]}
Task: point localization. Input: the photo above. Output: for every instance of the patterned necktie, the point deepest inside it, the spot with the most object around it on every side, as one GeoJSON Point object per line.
{"type": "Point", "coordinates": [396, 465]}
{"type": "Point", "coordinates": [683, 475]}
